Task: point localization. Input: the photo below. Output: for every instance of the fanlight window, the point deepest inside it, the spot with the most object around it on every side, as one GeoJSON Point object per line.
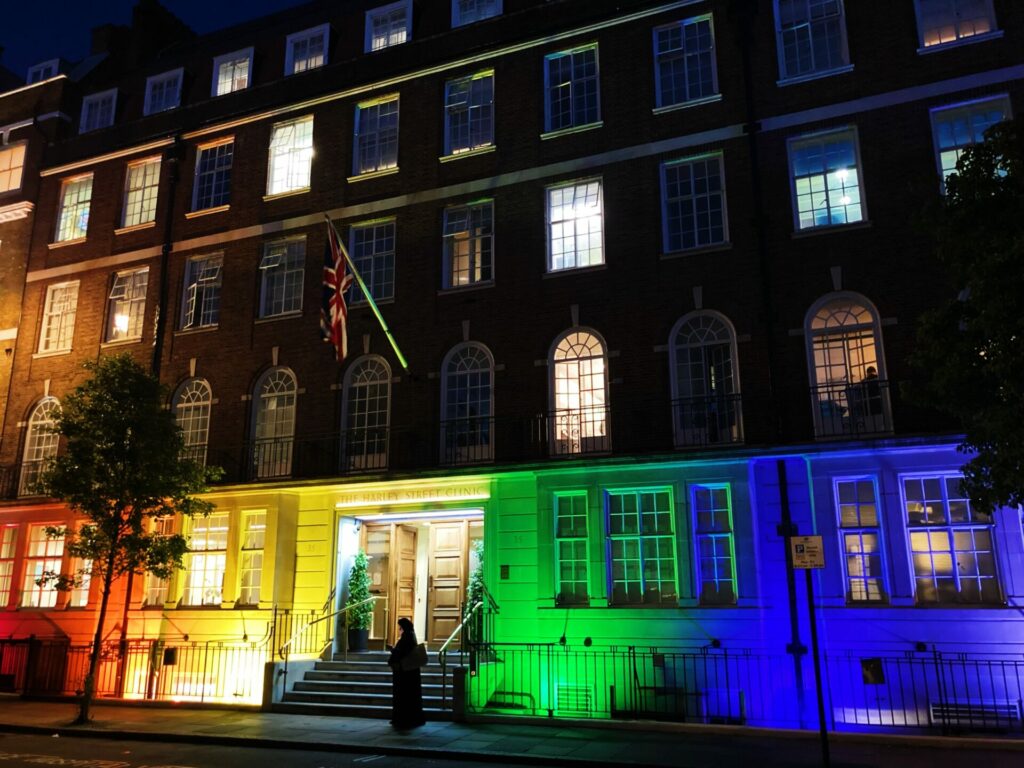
{"type": "Point", "coordinates": [41, 442]}
{"type": "Point", "coordinates": [849, 392]}
{"type": "Point", "coordinates": [705, 383]}
{"type": "Point", "coordinates": [192, 404]}
{"type": "Point", "coordinates": [468, 405]}
{"type": "Point", "coordinates": [367, 415]}
{"type": "Point", "coordinates": [274, 425]}
{"type": "Point", "coordinates": [579, 423]}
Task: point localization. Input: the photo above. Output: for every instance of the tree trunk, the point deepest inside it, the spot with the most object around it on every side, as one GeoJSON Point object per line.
{"type": "Point", "coordinates": [97, 641]}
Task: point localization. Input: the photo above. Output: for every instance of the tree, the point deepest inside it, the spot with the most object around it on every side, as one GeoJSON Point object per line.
{"type": "Point", "coordinates": [360, 615]}
{"type": "Point", "coordinates": [970, 350]}
{"type": "Point", "coordinates": [122, 466]}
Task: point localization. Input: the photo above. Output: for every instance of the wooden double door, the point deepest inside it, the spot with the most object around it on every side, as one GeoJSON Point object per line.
{"type": "Point", "coordinates": [411, 578]}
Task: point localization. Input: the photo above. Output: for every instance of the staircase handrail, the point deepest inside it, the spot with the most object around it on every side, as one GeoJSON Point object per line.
{"type": "Point", "coordinates": [299, 632]}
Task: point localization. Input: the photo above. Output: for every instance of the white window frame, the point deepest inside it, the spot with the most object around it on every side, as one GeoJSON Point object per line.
{"type": "Point", "coordinates": [493, 9]}
{"type": "Point", "coordinates": [797, 141]}
{"type": "Point", "coordinates": [969, 107]}
{"type": "Point", "coordinates": [57, 328]}
{"type": "Point", "coordinates": [141, 197]}
{"type": "Point", "coordinates": [8, 547]}
{"type": "Point", "coordinates": [36, 562]}
{"type": "Point", "coordinates": [275, 406]}
{"type": "Point", "coordinates": [305, 36]}
{"type": "Point", "coordinates": [573, 538]}
{"type": "Point", "coordinates": [225, 58]}
{"type": "Point", "coordinates": [381, 10]}
{"type": "Point", "coordinates": [192, 405]}
{"type": "Point", "coordinates": [844, 66]}
{"type": "Point", "coordinates": [362, 134]}
{"type": "Point", "coordinates": [207, 273]}
{"type": "Point", "coordinates": [683, 53]}
{"type": "Point", "coordinates": [377, 262]}
{"type": "Point", "coordinates": [639, 537]}
{"type": "Point", "coordinates": [714, 533]}
{"type": "Point", "coordinates": [41, 444]}
{"type": "Point", "coordinates": [216, 172]}
{"type": "Point", "coordinates": [156, 590]}
{"type": "Point", "coordinates": [31, 77]}
{"type": "Point", "coordinates": [78, 597]}
{"type": "Point", "coordinates": [466, 437]}
{"type": "Point", "coordinates": [991, 33]}
{"type": "Point", "coordinates": [175, 76]}
{"type": "Point", "coordinates": [94, 100]}
{"type": "Point", "coordinates": [562, 224]}
{"type": "Point", "coordinates": [578, 393]}
{"type": "Point", "coordinates": [858, 530]}
{"type": "Point", "coordinates": [290, 160]}
{"type": "Point", "coordinates": [130, 287]}
{"type": "Point", "coordinates": [209, 551]}
{"type": "Point", "coordinates": [253, 541]}
{"type": "Point", "coordinates": [282, 277]}
{"type": "Point", "coordinates": [69, 215]}
{"type": "Point", "coordinates": [481, 112]}
{"type": "Point", "coordinates": [365, 432]}
{"type": "Point", "coordinates": [13, 171]}
{"type": "Point", "coordinates": [693, 202]}
{"type": "Point", "coordinates": [574, 86]}
{"type": "Point", "coordinates": [478, 240]}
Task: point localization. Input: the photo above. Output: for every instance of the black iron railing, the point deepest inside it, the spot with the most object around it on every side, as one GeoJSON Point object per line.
{"type": "Point", "coordinates": [468, 440]}
{"type": "Point", "coordinates": [844, 409]}
{"type": "Point", "coordinates": [711, 420]}
{"type": "Point", "coordinates": [577, 431]}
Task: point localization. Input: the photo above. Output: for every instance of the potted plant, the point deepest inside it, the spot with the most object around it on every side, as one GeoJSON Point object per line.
{"type": "Point", "coordinates": [474, 595]}
{"type": "Point", "coordinates": [359, 617]}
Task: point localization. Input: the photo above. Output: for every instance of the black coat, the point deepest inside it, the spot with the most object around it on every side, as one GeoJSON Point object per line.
{"type": "Point", "coordinates": [407, 686]}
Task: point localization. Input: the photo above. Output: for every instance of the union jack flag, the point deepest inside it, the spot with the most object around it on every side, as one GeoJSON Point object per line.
{"type": "Point", "coordinates": [333, 311]}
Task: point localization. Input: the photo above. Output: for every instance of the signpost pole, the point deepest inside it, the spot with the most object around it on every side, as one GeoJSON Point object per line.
{"type": "Point", "coordinates": [822, 727]}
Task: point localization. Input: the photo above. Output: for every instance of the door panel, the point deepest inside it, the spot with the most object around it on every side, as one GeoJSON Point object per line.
{"type": "Point", "coordinates": [377, 546]}
{"type": "Point", "coordinates": [405, 582]}
{"type": "Point", "coordinates": [447, 572]}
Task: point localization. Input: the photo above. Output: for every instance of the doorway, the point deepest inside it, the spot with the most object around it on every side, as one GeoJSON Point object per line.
{"type": "Point", "coordinates": [421, 565]}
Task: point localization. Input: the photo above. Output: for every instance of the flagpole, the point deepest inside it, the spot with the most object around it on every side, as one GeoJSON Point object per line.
{"type": "Point", "coordinates": [368, 295]}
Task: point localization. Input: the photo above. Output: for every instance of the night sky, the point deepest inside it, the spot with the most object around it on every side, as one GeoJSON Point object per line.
{"type": "Point", "coordinates": [32, 31]}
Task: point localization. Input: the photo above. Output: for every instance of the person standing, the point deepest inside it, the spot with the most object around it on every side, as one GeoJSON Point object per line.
{"type": "Point", "coordinates": [407, 687]}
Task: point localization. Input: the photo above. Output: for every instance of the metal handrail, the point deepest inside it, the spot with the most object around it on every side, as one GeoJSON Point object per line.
{"type": "Point", "coordinates": [295, 636]}
{"type": "Point", "coordinates": [442, 654]}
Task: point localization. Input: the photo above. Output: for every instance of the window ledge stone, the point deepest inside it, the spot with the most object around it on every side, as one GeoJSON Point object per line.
{"type": "Point", "coordinates": [207, 211]}
{"type": "Point", "coordinates": [687, 104]}
{"type": "Point", "coordinates": [274, 318]}
{"type": "Point", "coordinates": [995, 34]}
{"type": "Point", "coordinates": [830, 228]}
{"type": "Point", "coordinates": [372, 175]}
{"type": "Point", "coordinates": [572, 130]}
{"type": "Point", "coordinates": [714, 248]}
{"type": "Point", "coordinates": [455, 289]}
{"type": "Point", "coordinates": [574, 271]}
{"type": "Point", "coordinates": [135, 228]}
{"type": "Point", "coordinates": [797, 79]}
{"type": "Point", "coordinates": [469, 153]}
{"type": "Point", "coordinates": [290, 193]}
{"type": "Point", "coordinates": [65, 243]}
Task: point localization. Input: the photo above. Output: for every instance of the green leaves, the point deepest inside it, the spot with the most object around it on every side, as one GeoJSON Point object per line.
{"type": "Point", "coordinates": [360, 617]}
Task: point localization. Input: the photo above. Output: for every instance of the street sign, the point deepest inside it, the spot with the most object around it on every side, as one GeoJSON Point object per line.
{"type": "Point", "coordinates": [807, 551]}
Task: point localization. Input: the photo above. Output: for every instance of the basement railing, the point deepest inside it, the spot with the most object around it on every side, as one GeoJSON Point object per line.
{"type": "Point", "coordinates": [475, 634]}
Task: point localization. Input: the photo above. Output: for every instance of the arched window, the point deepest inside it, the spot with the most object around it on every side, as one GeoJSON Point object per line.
{"type": "Point", "coordinates": [366, 414]}
{"type": "Point", "coordinates": [705, 381]}
{"type": "Point", "coordinates": [273, 423]}
{"type": "Point", "coordinates": [579, 393]}
{"type": "Point", "coordinates": [467, 405]}
{"type": "Point", "coordinates": [41, 441]}
{"type": "Point", "coordinates": [849, 389]}
{"type": "Point", "coordinates": [191, 406]}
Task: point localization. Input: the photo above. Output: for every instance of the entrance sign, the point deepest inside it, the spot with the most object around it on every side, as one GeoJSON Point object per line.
{"type": "Point", "coordinates": [412, 495]}
{"type": "Point", "coordinates": [807, 552]}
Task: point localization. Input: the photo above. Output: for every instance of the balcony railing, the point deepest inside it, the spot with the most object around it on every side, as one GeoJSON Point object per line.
{"type": "Point", "coordinates": [577, 431]}
{"type": "Point", "coordinates": [271, 458]}
{"type": "Point", "coordinates": [467, 441]}
{"type": "Point", "coordinates": [710, 420]}
{"type": "Point", "coordinates": [844, 409]}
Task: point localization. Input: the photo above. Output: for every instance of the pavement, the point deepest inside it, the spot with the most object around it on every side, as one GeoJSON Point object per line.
{"type": "Point", "coordinates": [522, 741]}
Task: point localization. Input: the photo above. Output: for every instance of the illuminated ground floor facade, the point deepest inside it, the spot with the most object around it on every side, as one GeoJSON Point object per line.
{"type": "Point", "coordinates": [634, 588]}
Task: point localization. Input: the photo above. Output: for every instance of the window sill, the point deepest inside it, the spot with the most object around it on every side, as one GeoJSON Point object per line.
{"type": "Point", "coordinates": [829, 228]}
{"type": "Point", "coordinates": [50, 353]}
{"type": "Point", "coordinates": [120, 342]}
{"type": "Point", "coordinates": [469, 153]}
{"type": "Point", "coordinates": [573, 271]}
{"type": "Point", "coordinates": [686, 104]}
{"type": "Point", "coordinates": [483, 284]}
{"type": "Point", "coordinates": [570, 131]}
{"type": "Point", "coordinates": [366, 304]}
{"type": "Point", "coordinates": [275, 318]}
{"type": "Point", "coordinates": [65, 243]}
{"type": "Point", "coordinates": [993, 35]}
{"type": "Point", "coordinates": [207, 211]}
{"type": "Point", "coordinates": [716, 248]}
{"type": "Point", "coordinates": [783, 82]}
{"type": "Point", "coordinates": [135, 228]}
{"type": "Point", "coordinates": [190, 331]}
{"type": "Point", "coordinates": [290, 193]}
{"type": "Point", "coordinates": [372, 175]}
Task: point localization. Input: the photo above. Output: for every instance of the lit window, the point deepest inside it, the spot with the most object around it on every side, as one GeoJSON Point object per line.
{"type": "Point", "coordinates": [41, 442]}
{"type": "Point", "coordinates": [42, 71]}
{"type": "Point", "coordinates": [43, 556]}
{"type": "Point", "coordinates": [281, 271]}
{"type": "Point", "coordinates": [207, 560]}
{"type": "Point", "coordinates": [79, 597]}
{"type": "Point", "coordinates": [126, 306]}
{"type": "Point", "coordinates": [163, 92]}
{"type": "Point", "coordinates": [12, 166]}
{"type": "Point", "coordinates": [291, 156]}
{"type": "Point", "coordinates": [857, 502]}
{"type": "Point", "coordinates": [641, 544]}
{"type": "Point", "coordinates": [826, 180]}
{"type": "Point", "coordinates": [571, 87]}
{"type": "Point", "coordinates": [273, 424]}
{"type": "Point", "coordinates": [388, 25]}
{"type": "Point", "coordinates": [73, 212]}
{"type": "Point", "coordinates": [716, 545]}
{"type": "Point", "coordinates": [469, 113]}
{"type": "Point", "coordinates": [200, 305]}
{"type": "Point", "coordinates": [141, 190]}
{"type": "Point", "coordinates": [58, 327]}
{"type": "Point", "coordinates": [373, 251]}
{"type": "Point", "coordinates": [467, 406]}
{"type": "Point", "coordinates": [306, 50]}
{"type": "Point", "coordinates": [254, 534]}
{"type": "Point", "coordinates": [98, 110]}
{"type": "Point", "coordinates": [468, 244]}
{"type": "Point", "coordinates": [231, 72]}
{"type": "Point", "coordinates": [367, 414]}
{"type": "Point", "coordinates": [575, 225]}
{"type": "Point", "coordinates": [572, 577]}
{"type": "Point", "coordinates": [947, 21]}
{"type": "Point", "coordinates": [684, 61]}
{"type": "Point", "coordinates": [849, 390]}
{"type": "Point", "coordinates": [8, 539]}
{"type": "Point", "coordinates": [376, 139]}
{"type": "Point", "coordinates": [705, 382]}
{"type": "Point", "coordinates": [579, 391]}
{"type": "Point", "coordinates": [963, 125]}
{"type": "Point", "coordinates": [213, 175]}
{"type": "Point", "coordinates": [950, 543]}
{"type": "Point", "coordinates": [156, 588]}
{"type": "Point", "coordinates": [191, 406]}
{"type": "Point", "coordinates": [693, 203]}
{"type": "Point", "coordinates": [811, 37]}
{"type": "Point", "coordinates": [469, 11]}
